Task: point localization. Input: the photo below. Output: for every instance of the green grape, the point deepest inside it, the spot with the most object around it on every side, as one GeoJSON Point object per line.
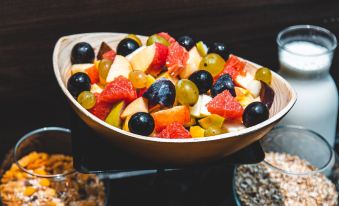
{"type": "Point", "coordinates": [213, 63]}
{"type": "Point", "coordinates": [211, 131]}
{"type": "Point", "coordinates": [104, 67]}
{"type": "Point", "coordinates": [86, 99]}
{"type": "Point", "coordinates": [264, 74]}
{"type": "Point", "coordinates": [187, 92]}
{"type": "Point", "coordinates": [156, 38]}
{"type": "Point", "coordinates": [138, 79]}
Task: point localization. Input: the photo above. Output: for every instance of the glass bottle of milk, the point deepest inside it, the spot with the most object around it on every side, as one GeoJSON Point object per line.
{"type": "Point", "coordinates": [305, 56]}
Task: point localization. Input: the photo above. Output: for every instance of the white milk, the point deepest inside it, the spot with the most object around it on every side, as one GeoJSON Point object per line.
{"type": "Point", "coordinates": [306, 57]}
{"type": "Point", "coordinates": [306, 66]}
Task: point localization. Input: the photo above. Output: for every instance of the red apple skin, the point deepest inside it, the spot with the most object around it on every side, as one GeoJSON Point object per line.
{"type": "Point", "coordinates": [159, 60]}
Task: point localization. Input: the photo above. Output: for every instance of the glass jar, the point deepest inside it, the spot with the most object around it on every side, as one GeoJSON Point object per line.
{"type": "Point", "coordinates": [305, 56]}
{"type": "Point", "coordinates": [292, 173]}
{"type": "Point", "coordinates": [42, 173]}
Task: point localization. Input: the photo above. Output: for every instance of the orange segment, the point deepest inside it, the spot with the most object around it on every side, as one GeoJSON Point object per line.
{"type": "Point", "coordinates": [162, 118]}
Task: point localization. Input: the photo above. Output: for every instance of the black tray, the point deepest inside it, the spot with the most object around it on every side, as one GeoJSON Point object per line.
{"type": "Point", "coordinates": [94, 154]}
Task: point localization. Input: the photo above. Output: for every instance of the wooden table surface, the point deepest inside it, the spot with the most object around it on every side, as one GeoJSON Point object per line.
{"type": "Point", "coordinates": [30, 97]}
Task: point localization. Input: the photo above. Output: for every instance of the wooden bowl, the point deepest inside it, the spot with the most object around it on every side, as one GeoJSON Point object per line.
{"type": "Point", "coordinates": [179, 152]}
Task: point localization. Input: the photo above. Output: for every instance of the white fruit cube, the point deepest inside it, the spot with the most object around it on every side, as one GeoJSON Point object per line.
{"type": "Point", "coordinates": [248, 82]}
{"type": "Point", "coordinates": [138, 105]}
{"type": "Point", "coordinates": [96, 88]}
{"type": "Point", "coordinates": [203, 109]}
{"type": "Point", "coordinates": [199, 109]}
{"type": "Point", "coordinates": [195, 109]}
{"type": "Point", "coordinates": [192, 63]}
{"type": "Point", "coordinates": [120, 66]}
{"type": "Point", "coordinates": [75, 68]}
{"type": "Point", "coordinates": [143, 58]}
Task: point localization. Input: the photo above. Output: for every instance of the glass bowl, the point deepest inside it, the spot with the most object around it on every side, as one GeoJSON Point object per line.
{"type": "Point", "coordinates": [291, 141]}
{"type": "Point", "coordinates": [37, 146]}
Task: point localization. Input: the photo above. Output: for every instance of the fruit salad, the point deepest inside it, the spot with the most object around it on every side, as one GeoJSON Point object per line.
{"type": "Point", "coordinates": [169, 88]}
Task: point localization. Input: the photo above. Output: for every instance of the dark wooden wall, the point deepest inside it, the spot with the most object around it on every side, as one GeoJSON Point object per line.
{"type": "Point", "coordinates": [30, 97]}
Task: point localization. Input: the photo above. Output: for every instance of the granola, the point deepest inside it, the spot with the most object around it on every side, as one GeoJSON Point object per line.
{"type": "Point", "coordinates": [20, 188]}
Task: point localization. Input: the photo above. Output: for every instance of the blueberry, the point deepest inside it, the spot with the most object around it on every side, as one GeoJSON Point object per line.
{"type": "Point", "coordinates": [203, 79]}
{"type": "Point", "coordinates": [127, 46]}
{"type": "Point", "coordinates": [223, 82]}
{"type": "Point", "coordinates": [78, 83]}
{"type": "Point", "coordinates": [141, 123]}
{"type": "Point", "coordinates": [186, 42]}
{"type": "Point", "coordinates": [255, 113]}
{"type": "Point", "coordinates": [161, 92]}
{"type": "Point", "coordinates": [82, 53]}
{"type": "Point", "coordinates": [219, 48]}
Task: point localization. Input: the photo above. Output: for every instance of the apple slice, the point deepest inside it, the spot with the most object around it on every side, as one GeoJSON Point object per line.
{"type": "Point", "coordinates": [254, 88]}
{"type": "Point", "coordinates": [162, 118]}
{"type": "Point", "coordinates": [195, 109]}
{"type": "Point", "coordinates": [75, 68]}
{"type": "Point", "coordinates": [199, 109]}
{"type": "Point", "coordinates": [233, 125]}
{"type": "Point", "coordinates": [243, 96]}
{"type": "Point", "coordinates": [125, 124]}
{"type": "Point", "coordinates": [159, 60]}
{"type": "Point", "coordinates": [120, 66]}
{"type": "Point", "coordinates": [131, 55]}
{"type": "Point", "coordinates": [95, 88]}
{"type": "Point", "coordinates": [192, 63]}
{"type": "Point", "coordinates": [113, 117]}
{"type": "Point", "coordinates": [203, 110]}
{"type": "Point", "coordinates": [150, 59]}
{"type": "Point", "coordinates": [248, 82]}
{"type": "Point", "coordinates": [138, 105]}
{"type": "Point", "coordinates": [142, 59]}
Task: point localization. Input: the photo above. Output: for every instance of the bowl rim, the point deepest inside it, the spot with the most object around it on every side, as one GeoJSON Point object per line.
{"type": "Point", "coordinates": [321, 169]}
{"type": "Point", "coordinates": [309, 28]}
{"type": "Point", "coordinates": [29, 135]}
{"type": "Point", "coordinates": [241, 132]}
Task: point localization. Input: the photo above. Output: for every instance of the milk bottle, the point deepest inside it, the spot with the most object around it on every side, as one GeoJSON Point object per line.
{"type": "Point", "coordinates": [305, 56]}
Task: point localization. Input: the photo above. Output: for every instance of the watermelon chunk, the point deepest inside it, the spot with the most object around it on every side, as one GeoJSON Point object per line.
{"type": "Point", "coordinates": [225, 105]}
{"type": "Point", "coordinates": [110, 55]}
{"type": "Point", "coordinates": [234, 67]}
{"type": "Point", "coordinates": [101, 109]}
{"type": "Point", "coordinates": [176, 59]}
{"type": "Point", "coordinates": [119, 89]}
{"type": "Point", "coordinates": [174, 130]}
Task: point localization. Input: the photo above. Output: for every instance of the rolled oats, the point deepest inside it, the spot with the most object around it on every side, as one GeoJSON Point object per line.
{"type": "Point", "coordinates": [262, 185]}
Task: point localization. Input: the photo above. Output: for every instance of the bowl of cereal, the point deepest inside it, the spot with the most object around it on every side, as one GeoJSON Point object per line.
{"type": "Point", "coordinates": [42, 173]}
